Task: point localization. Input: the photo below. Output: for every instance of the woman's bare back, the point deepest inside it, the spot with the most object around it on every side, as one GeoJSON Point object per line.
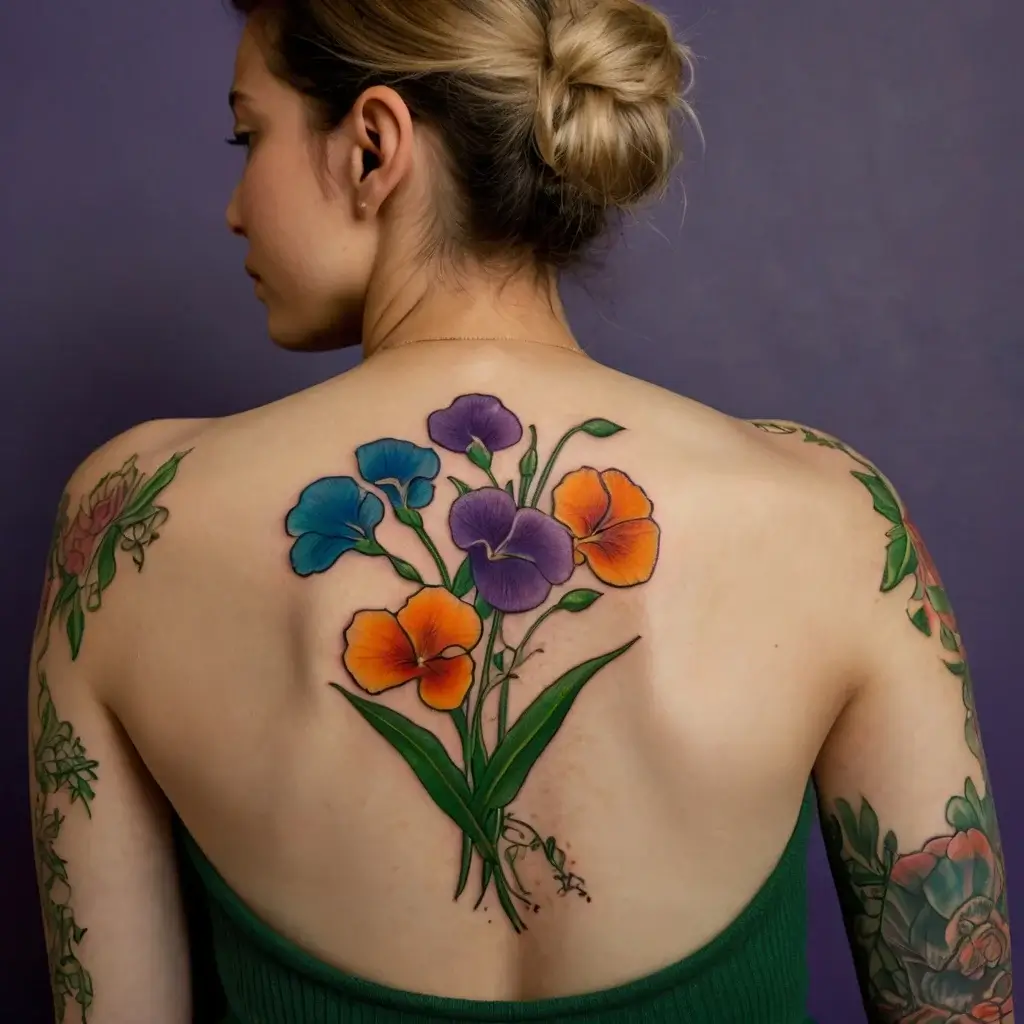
{"type": "Point", "coordinates": [676, 778]}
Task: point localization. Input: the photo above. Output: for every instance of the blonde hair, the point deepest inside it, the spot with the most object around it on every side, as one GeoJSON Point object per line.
{"type": "Point", "coordinates": [552, 113]}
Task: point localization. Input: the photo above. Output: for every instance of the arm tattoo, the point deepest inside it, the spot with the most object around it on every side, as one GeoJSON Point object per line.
{"type": "Point", "coordinates": [928, 928]}
{"type": "Point", "coordinates": [119, 514]}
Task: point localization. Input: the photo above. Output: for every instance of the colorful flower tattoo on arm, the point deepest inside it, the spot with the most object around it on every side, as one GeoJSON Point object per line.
{"type": "Point", "coordinates": [120, 514]}
{"type": "Point", "coordinates": [448, 638]}
{"type": "Point", "coordinates": [928, 927]}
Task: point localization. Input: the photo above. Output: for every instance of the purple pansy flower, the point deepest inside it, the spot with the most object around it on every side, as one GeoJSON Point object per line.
{"type": "Point", "coordinates": [516, 554]}
{"type": "Point", "coordinates": [474, 418]}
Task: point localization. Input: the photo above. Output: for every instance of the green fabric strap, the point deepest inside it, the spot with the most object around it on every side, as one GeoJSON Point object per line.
{"type": "Point", "coordinates": [754, 972]}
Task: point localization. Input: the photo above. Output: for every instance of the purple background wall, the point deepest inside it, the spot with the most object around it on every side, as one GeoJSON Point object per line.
{"type": "Point", "coordinates": [851, 257]}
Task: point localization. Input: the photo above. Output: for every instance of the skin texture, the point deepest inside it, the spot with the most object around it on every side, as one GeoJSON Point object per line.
{"type": "Point", "coordinates": [788, 623]}
{"type": "Point", "coordinates": [264, 665]}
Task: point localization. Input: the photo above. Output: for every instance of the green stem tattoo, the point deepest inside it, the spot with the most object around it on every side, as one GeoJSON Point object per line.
{"type": "Point", "coordinates": [476, 732]}
{"type": "Point", "coordinates": [550, 464]}
{"type": "Point", "coordinates": [436, 556]}
{"type": "Point", "coordinates": [410, 517]}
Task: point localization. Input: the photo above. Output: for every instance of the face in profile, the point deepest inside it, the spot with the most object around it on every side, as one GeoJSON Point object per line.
{"type": "Point", "coordinates": [310, 253]}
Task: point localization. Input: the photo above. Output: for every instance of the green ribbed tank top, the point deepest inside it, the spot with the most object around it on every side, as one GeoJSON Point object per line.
{"type": "Point", "coordinates": [754, 972]}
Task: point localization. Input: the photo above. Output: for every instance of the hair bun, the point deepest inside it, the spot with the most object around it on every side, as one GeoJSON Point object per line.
{"type": "Point", "coordinates": [612, 76]}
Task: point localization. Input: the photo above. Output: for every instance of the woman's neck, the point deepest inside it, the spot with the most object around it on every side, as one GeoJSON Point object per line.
{"type": "Point", "coordinates": [477, 307]}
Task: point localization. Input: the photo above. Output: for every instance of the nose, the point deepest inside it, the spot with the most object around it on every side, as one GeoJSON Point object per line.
{"type": "Point", "coordinates": [233, 214]}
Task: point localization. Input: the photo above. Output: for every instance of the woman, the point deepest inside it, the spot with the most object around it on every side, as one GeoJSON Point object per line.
{"type": "Point", "coordinates": [483, 682]}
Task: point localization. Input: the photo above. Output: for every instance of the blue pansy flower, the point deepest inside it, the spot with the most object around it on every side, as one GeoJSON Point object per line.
{"type": "Point", "coordinates": [333, 516]}
{"type": "Point", "coordinates": [401, 469]}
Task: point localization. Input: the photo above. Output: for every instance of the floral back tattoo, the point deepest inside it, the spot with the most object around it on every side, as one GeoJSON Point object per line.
{"type": "Point", "coordinates": [447, 637]}
{"type": "Point", "coordinates": [928, 927]}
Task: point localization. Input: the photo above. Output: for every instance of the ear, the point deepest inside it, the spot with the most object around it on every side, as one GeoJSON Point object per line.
{"type": "Point", "coordinates": [382, 156]}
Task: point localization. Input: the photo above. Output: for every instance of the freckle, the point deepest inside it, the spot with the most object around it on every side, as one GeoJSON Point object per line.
{"type": "Point", "coordinates": [588, 899]}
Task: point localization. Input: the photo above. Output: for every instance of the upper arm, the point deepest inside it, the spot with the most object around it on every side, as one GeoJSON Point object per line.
{"type": "Point", "coordinates": [107, 874]}
{"type": "Point", "coordinates": [909, 821]}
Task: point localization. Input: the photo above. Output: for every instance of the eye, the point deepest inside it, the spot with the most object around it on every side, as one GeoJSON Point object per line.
{"type": "Point", "coordinates": [240, 139]}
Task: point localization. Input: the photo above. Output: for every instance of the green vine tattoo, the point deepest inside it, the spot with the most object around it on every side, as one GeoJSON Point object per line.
{"type": "Point", "coordinates": [928, 607]}
{"type": "Point", "coordinates": [928, 928]}
{"type": "Point", "coordinates": [522, 838]}
{"type": "Point", "coordinates": [119, 514]}
{"type": "Point", "coordinates": [61, 765]}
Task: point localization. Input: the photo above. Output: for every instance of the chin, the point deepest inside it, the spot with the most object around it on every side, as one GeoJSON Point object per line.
{"type": "Point", "coordinates": [297, 337]}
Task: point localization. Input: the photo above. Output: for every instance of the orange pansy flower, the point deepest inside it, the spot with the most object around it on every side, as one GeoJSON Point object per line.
{"type": "Point", "coordinates": [610, 518]}
{"type": "Point", "coordinates": [383, 650]}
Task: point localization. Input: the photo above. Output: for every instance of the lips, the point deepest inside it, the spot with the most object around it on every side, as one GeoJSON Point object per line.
{"type": "Point", "coordinates": [252, 273]}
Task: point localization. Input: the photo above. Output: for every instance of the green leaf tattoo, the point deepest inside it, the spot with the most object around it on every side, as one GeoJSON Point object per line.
{"type": "Point", "coordinates": [119, 514]}
{"type": "Point", "coordinates": [928, 928]}
{"type": "Point", "coordinates": [448, 637]}
{"type": "Point", "coordinates": [518, 752]}
{"type": "Point", "coordinates": [928, 608]}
